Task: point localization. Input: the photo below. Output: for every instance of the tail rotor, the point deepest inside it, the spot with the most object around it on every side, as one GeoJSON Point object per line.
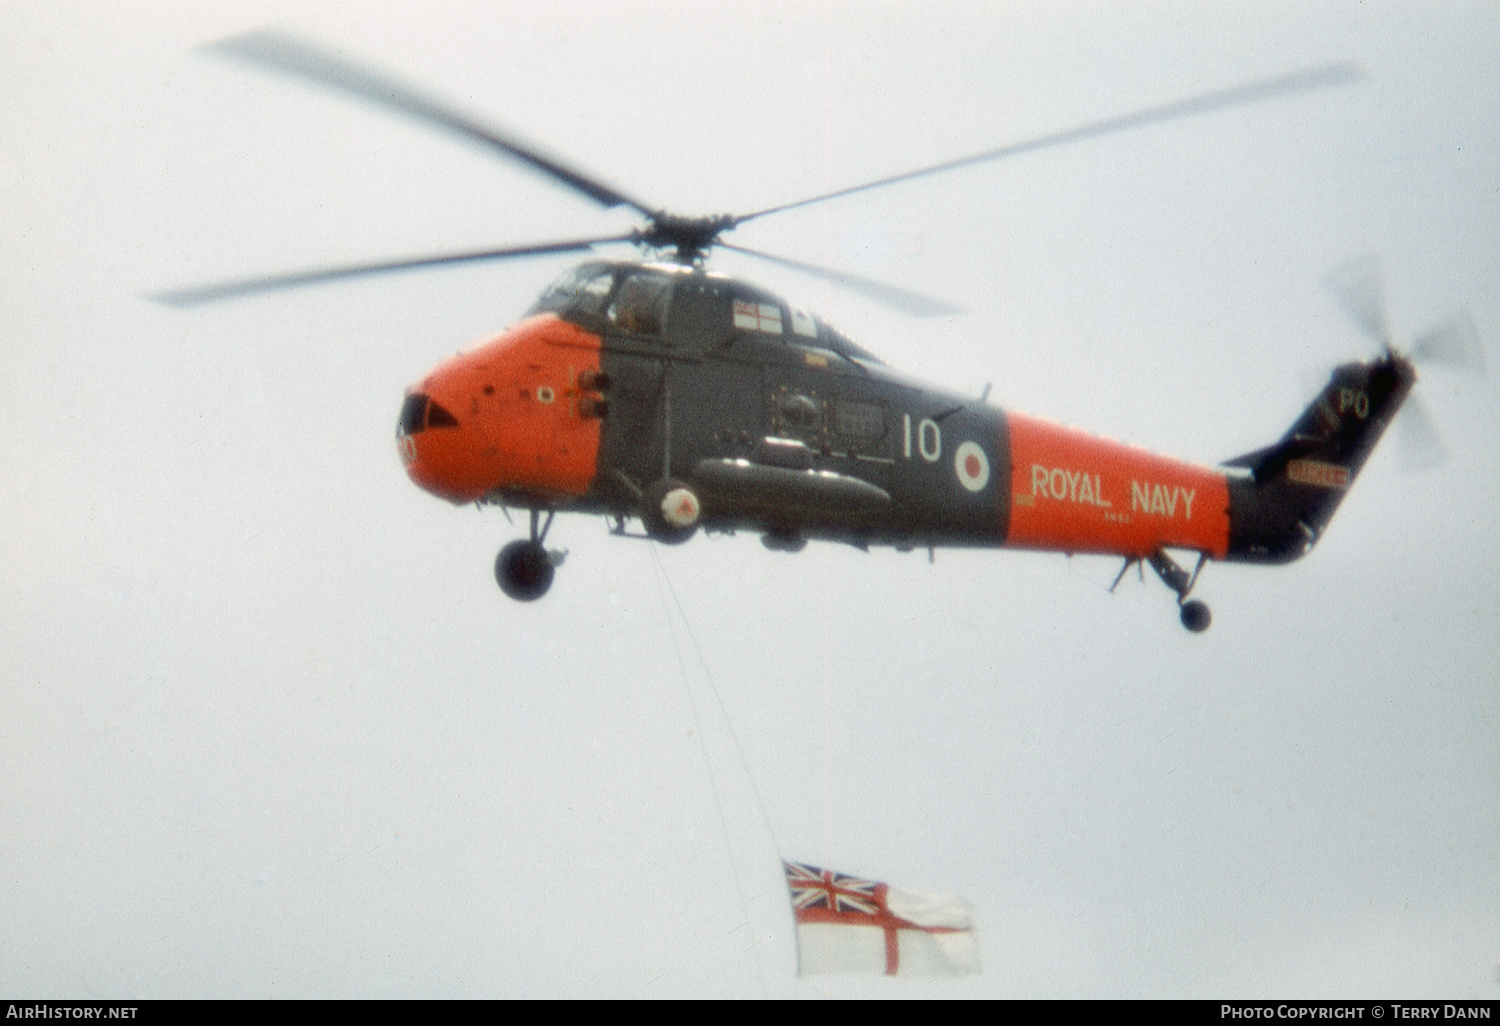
{"type": "Point", "coordinates": [1360, 287]}
{"type": "Point", "coordinates": [1455, 343]}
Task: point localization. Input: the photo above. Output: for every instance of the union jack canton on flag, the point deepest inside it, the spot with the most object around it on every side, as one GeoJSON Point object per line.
{"type": "Point", "coordinates": [845, 924]}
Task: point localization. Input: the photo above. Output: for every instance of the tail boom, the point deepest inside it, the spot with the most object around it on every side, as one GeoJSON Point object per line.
{"type": "Point", "coordinates": [1076, 493]}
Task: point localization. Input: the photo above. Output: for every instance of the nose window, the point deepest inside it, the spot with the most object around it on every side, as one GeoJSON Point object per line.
{"type": "Point", "coordinates": [413, 414]}
{"type": "Point", "coordinates": [419, 412]}
{"type": "Point", "coordinates": [438, 417]}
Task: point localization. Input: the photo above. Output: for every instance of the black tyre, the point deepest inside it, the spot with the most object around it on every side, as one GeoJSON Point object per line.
{"type": "Point", "coordinates": [1195, 616]}
{"type": "Point", "coordinates": [524, 571]}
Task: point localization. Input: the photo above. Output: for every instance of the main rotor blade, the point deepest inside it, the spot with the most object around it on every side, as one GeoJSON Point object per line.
{"type": "Point", "coordinates": [1254, 92]}
{"type": "Point", "coordinates": [251, 286]}
{"type": "Point", "coordinates": [904, 300]}
{"type": "Point", "coordinates": [284, 53]}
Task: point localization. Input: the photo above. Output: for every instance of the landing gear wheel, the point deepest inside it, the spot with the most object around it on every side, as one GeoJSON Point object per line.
{"type": "Point", "coordinates": [1195, 616]}
{"type": "Point", "coordinates": [524, 570]}
{"type": "Point", "coordinates": [670, 511]}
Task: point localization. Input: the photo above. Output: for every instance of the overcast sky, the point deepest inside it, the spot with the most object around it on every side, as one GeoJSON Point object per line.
{"type": "Point", "coordinates": [268, 727]}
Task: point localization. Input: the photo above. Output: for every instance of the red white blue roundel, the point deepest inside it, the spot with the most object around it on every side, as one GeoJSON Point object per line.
{"type": "Point", "coordinates": [972, 466]}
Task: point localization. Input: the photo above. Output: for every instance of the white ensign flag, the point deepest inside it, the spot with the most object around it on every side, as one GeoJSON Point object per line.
{"type": "Point", "coordinates": [849, 925]}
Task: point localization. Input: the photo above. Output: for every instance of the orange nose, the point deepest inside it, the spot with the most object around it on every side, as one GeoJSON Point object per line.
{"type": "Point", "coordinates": [518, 416]}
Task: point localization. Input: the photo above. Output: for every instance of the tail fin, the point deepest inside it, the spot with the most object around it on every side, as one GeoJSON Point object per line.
{"type": "Point", "coordinates": [1278, 512]}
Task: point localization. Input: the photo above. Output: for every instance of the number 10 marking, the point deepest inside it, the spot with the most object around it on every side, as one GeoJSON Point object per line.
{"type": "Point", "coordinates": [929, 438]}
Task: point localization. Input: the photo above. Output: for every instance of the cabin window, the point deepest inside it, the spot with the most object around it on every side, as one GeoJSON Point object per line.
{"type": "Point", "coordinates": [840, 343]}
{"type": "Point", "coordinates": [798, 415]}
{"type": "Point", "coordinates": [856, 422]}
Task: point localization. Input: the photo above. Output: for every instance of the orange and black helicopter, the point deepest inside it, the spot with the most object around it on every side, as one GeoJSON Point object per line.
{"type": "Point", "coordinates": [668, 393]}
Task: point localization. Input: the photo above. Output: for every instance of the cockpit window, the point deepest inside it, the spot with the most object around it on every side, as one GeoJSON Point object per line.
{"type": "Point", "coordinates": [582, 289]}
{"type": "Point", "coordinates": [637, 299]}
{"type": "Point", "coordinates": [640, 303]}
{"type": "Point", "coordinates": [594, 292]}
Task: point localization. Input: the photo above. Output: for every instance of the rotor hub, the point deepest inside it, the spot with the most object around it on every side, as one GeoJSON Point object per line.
{"type": "Point", "coordinates": [690, 237]}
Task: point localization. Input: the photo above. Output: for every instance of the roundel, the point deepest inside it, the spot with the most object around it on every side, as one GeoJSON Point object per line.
{"type": "Point", "coordinates": [972, 466]}
{"type": "Point", "coordinates": [679, 507]}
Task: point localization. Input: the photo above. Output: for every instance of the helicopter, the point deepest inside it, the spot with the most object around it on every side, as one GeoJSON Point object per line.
{"type": "Point", "coordinates": [662, 392]}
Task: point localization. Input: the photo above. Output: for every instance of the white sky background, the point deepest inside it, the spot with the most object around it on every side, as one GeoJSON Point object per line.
{"type": "Point", "coordinates": [268, 727]}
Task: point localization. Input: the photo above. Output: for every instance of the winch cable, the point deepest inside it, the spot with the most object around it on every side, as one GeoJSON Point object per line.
{"type": "Point", "coordinates": [666, 590]}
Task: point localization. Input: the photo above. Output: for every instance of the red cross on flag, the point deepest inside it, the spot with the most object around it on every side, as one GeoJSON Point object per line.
{"type": "Point", "coordinates": [849, 925]}
{"type": "Point", "coordinates": [757, 316]}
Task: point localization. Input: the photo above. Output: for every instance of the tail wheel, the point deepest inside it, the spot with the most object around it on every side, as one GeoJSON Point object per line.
{"type": "Point", "coordinates": [1195, 615]}
{"type": "Point", "coordinates": [524, 570]}
{"type": "Point", "coordinates": [670, 511]}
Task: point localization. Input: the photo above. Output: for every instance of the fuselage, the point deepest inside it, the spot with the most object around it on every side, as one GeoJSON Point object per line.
{"type": "Point", "coordinates": [626, 374]}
